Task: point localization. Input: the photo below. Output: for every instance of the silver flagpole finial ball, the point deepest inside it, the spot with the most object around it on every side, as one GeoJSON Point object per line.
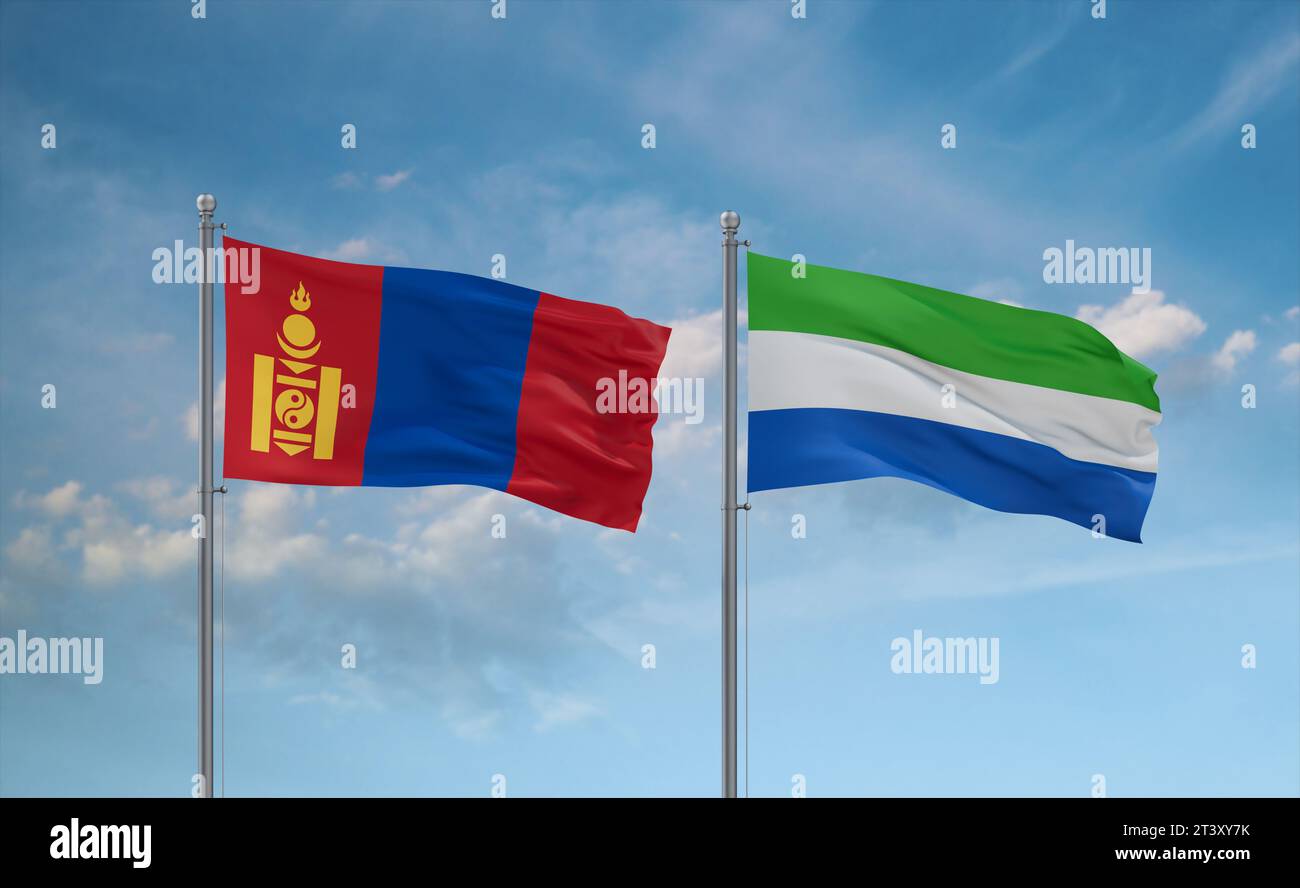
{"type": "Point", "coordinates": [730, 221]}
{"type": "Point", "coordinates": [206, 203]}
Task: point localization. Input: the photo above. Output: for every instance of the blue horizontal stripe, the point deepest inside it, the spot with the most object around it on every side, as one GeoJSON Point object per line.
{"type": "Point", "coordinates": [452, 352]}
{"type": "Point", "coordinates": [793, 448]}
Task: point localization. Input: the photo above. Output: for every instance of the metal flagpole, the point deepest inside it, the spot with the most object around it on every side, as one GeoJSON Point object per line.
{"type": "Point", "coordinates": [730, 225]}
{"type": "Point", "coordinates": [206, 204]}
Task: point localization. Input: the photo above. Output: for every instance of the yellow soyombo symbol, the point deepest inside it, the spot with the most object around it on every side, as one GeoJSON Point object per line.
{"type": "Point", "coordinates": [285, 398]}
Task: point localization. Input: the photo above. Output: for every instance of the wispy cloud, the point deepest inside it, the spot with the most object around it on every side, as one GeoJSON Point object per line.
{"type": "Point", "coordinates": [191, 418]}
{"type": "Point", "coordinates": [1251, 83]}
{"type": "Point", "coordinates": [1238, 344]}
{"type": "Point", "coordinates": [1041, 41]}
{"type": "Point", "coordinates": [559, 710]}
{"type": "Point", "coordinates": [366, 249]}
{"type": "Point", "coordinates": [348, 181]}
{"type": "Point", "coordinates": [390, 181]}
{"type": "Point", "coordinates": [1289, 355]}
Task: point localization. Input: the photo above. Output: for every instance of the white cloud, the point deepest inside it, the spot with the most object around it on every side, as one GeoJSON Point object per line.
{"type": "Point", "coordinates": [32, 549]}
{"type": "Point", "coordinates": [347, 181]}
{"type": "Point", "coordinates": [111, 546]}
{"type": "Point", "coordinates": [191, 418]}
{"type": "Point", "coordinates": [558, 710]}
{"type": "Point", "coordinates": [351, 250]}
{"type": "Point", "coordinates": [57, 503]}
{"type": "Point", "coordinates": [143, 551]}
{"type": "Point", "coordinates": [1292, 313]}
{"type": "Point", "coordinates": [392, 180]}
{"type": "Point", "coordinates": [455, 544]}
{"type": "Point", "coordinates": [695, 348]}
{"type": "Point", "coordinates": [998, 291]}
{"type": "Point", "coordinates": [1144, 324]}
{"type": "Point", "coordinates": [166, 498]}
{"type": "Point", "coordinates": [673, 436]}
{"type": "Point", "coordinates": [694, 352]}
{"type": "Point", "coordinates": [1234, 348]}
{"type": "Point", "coordinates": [1289, 354]}
{"type": "Point", "coordinates": [265, 536]}
{"type": "Point", "coordinates": [365, 249]}
{"type": "Point", "coordinates": [275, 529]}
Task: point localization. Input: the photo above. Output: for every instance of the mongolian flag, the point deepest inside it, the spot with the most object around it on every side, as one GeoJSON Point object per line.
{"type": "Point", "coordinates": [343, 374]}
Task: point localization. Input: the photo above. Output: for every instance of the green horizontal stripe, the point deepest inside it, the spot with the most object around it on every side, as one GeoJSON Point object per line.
{"type": "Point", "coordinates": [961, 332]}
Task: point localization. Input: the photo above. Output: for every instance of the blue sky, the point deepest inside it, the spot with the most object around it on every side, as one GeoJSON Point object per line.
{"type": "Point", "coordinates": [522, 136]}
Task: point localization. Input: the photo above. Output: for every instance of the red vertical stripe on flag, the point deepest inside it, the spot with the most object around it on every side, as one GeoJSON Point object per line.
{"type": "Point", "coordinates": [572, 457]}
{"type": "Point", "coordinates": [301, 360]}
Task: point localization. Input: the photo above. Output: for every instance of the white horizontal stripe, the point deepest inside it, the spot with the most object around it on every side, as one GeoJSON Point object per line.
{"type": "Point", "coordinates": [793, 370]}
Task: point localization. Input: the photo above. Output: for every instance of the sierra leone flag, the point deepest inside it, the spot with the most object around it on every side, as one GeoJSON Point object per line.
{"type": "Point", "coordinates": [857, 376]}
